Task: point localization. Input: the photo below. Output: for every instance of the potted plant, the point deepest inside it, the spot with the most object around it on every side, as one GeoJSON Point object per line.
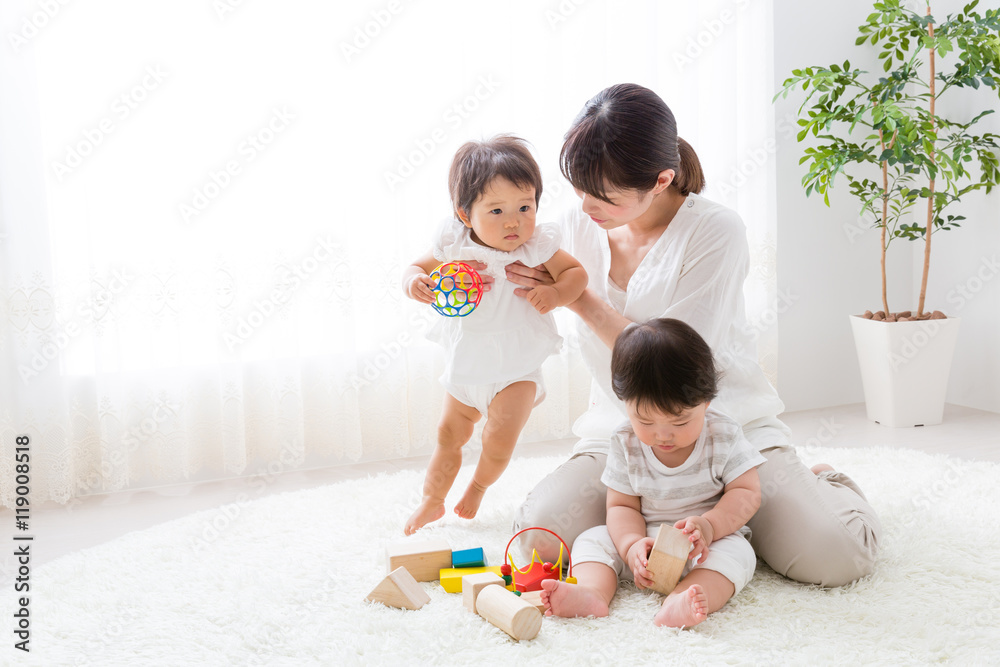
{"type": "Point", "coordinates": [883, 133]}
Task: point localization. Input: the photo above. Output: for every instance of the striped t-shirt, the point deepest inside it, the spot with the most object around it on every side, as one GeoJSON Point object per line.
{"type": "Point", "coordinates": [667, 495]}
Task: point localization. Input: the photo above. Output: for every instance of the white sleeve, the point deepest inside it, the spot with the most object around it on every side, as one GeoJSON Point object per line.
{"type": "Point", "coordinates": [544, 243]}
{"type": "Point", "coordinates": [447, 240]}
{"type": "Point", "coordinates": [709, 292]}
{"type": "Point", "coordinates": [615, 474]}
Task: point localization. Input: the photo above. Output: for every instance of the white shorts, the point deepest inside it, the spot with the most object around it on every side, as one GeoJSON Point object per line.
{"type": "Point", "coordinates": [479, 396]}
{"type": "Point", "coordinates": [732, 556]}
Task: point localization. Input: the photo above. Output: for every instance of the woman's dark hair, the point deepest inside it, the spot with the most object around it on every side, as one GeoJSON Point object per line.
{"type": "Point", "coordinates": [622, 139]}
{"type": "Point", "coordinates": [477, 163]}
{"type": "Point", "coordinates": [663, 364]}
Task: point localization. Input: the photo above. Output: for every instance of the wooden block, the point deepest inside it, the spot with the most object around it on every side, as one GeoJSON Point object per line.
{"type": "Point", "coordinates": [451, 577]}
{"type": "Point", "coordinates": [508, 612]}
{"type": "Point", "coordinates": [423, 559]}
{"type": "Point", "coordinates": [472, 584]}
{"type": "Point", "coordinates": [399, 589]}
{"type": "Point", "coordinates": [534, 598]}
{"type": "Point", "coordinates": [668, 558]}
{"type": "Point", "coordinates": [468, 558]}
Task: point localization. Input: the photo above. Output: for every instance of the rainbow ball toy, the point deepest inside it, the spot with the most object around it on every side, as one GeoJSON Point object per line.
{"type": "Point", "coordinates": [457, 289]}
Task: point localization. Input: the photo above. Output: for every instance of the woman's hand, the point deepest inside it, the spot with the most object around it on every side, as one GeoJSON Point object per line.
{"type": "Point", "coordinates": [528, 277]}
{"type": "Point", "coordinates": [637, 559]}
{"type": "Point", "coordinates": [481, 270]}
{"type": "Point", "coordinates": [700, 533]}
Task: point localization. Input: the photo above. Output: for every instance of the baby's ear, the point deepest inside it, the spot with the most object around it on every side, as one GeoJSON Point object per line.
{"type": "Point", "coordinates": [463, 217]}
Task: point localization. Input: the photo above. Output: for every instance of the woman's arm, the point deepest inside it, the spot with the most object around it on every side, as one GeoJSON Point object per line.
{"type": "Point", "coordinates": [602, 319]}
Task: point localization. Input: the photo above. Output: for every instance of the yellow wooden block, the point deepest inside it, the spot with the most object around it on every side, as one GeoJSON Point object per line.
{"type": "Point", "coordinates": [451, 577]}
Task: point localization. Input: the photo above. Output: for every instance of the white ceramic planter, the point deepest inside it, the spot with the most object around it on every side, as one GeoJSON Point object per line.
{"type": "Point", "coordinates": [904, 368]}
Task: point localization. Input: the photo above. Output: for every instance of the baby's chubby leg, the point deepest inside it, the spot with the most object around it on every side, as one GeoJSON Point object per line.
{"type": "Point", "coordinates": [454, 430]}
{"type": "Point", "coordinates": [508, 412]}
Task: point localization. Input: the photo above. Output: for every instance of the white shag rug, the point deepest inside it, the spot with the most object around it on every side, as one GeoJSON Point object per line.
{"type": "Point", "coordinates": [284, 579]}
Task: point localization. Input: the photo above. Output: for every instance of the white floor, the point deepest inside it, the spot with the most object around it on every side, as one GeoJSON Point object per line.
{"type": "Point", "coordinates": [965, 433]}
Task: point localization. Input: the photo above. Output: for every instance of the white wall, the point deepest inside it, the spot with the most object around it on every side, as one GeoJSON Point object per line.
{"type": "Point", "coordinates": [829, 263]}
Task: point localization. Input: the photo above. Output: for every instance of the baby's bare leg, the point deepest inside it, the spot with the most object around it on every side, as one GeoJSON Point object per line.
{"type": "Point", "coordinates": [590, 596]}
{"type": "Point", "coordinates": [454, 430]}
{"type": "Point", "coordinates": [508, 412]}
{"type": "Point", "coordinates": [697, 595]}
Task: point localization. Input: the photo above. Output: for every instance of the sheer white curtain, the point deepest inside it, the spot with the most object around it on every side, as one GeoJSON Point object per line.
{"type": "Point", "coordinates": [206, 207]}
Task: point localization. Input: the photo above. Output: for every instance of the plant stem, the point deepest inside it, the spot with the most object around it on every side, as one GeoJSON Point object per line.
{"type": "Point", "coordinates": [885, 217]}
{"type": "Point", "coordinates": [930, 196]}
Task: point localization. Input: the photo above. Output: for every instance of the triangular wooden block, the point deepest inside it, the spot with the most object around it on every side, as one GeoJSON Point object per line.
{"type": "Point", "coordinates": [668, 558]}
{"type": "Point", "coordinates": [399, 589]}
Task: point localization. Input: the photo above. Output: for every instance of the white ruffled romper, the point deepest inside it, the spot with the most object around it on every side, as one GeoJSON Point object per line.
{"type": "Point", "coordinates": [504, 340]}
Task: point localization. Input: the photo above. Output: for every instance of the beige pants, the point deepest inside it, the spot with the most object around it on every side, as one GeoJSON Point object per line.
{"type": "Point", "coordinates": [817, 529]}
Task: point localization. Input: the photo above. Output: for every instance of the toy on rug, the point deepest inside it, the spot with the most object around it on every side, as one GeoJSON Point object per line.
{"type": "Point", "coordinates": [399, 589]}
{"type": "Point", "coordinates": [458, 289]}
{"type": "Point", "coordinates": [530, 578]}
{"type": "Point", "coordinates": [507, 611]}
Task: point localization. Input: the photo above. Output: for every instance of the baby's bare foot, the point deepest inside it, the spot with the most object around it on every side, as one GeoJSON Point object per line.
{"type": "Point", "coordinates": [429, 510]}
{"type": "Point", "coordinates": [571, 600]}
{"type": "Point", "coordinates": [469, 504]}
{"type": "Point", "coordinates": [684, 609]}
{"type": "Point", "coordinates": [821, 467]}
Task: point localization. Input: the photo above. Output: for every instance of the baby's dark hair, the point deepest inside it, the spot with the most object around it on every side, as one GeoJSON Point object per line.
{"type": "Point", "coordinates": [663, 364]}
{"type": "Point", "coordinates": [477, 163]}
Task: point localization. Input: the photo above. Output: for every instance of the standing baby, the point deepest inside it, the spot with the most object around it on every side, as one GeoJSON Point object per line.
{"type": "Point", "coordinates": [493, 355]}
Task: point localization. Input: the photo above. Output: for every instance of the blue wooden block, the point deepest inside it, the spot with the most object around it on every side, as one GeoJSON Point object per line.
{"type": "Point", "coordinates": [468, 558]}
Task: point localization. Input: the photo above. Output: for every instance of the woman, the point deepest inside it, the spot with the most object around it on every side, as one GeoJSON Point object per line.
{"type": "Point", "coordinates": [653, 247]}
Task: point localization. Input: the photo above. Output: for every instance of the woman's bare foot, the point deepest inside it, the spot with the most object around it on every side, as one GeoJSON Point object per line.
{"type": "Point", "coordinates": [821, 467]}
{"type": "Point", "coordinates": [428, 510]}
{"type": "Point", "coordinates": [571, 600]}
{"type": "Point", "coordinates": [469, 504]}
{"type": "Point", "coordinates": [684, 609]}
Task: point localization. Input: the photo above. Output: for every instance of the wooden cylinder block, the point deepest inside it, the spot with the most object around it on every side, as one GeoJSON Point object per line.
{"type": "Point", "coordinates": [508, 612]}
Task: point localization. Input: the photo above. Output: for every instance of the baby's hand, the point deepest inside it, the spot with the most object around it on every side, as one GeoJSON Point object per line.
{"type": "Point", "coordinates": [418, 287]}
{"type": "Point", "coordinates": [700, 533]}
{"type": "Point", "coordinates": [637, 559]}
{"type": "Point", "coordinates": [544, 298]}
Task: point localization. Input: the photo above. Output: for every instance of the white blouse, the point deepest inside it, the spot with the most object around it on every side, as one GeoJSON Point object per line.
{"type": "Point", "coordinates": [694, 273]}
